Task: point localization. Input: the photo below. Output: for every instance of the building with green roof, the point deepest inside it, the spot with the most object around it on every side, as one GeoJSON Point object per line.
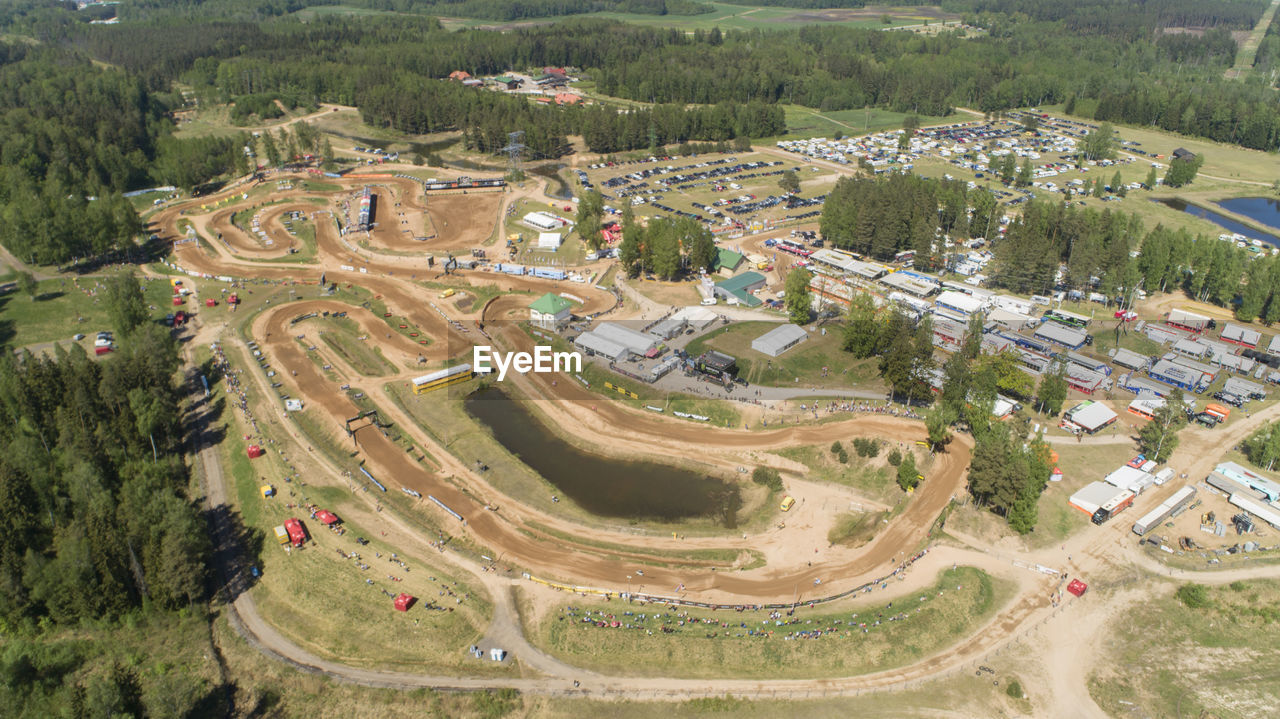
{"type": "Point", "coordinates": [738, 289]}
{"type": "Point", "coordinates": [550, 311]}
{"type": "Point", "coordinates": [727, 260]}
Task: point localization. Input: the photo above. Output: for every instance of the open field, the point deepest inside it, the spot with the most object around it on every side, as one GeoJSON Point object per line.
{"type": "Point", "coordinates": [1184, 661]}
{"type": "Point", "coordinates": [805, 122]}
{"type": "Point", "coordinates": [870, 635]}
{"type": "Point", "coordinates": [746, 17]}
{"type": "Point", "coordinates": [815, 362]}
{"type": "Point", "coordinates": [63, 307]}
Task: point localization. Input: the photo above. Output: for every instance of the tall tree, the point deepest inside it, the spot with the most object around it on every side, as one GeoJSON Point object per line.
{"type": "Point", "coordinates": [126, 305]}
{"type": "Point", "coordinates": [798, 299]}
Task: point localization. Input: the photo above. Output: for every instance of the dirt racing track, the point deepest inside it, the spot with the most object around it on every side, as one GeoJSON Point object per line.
{"type": "Point", "coordinates": [549, 547]}
{"type": "Point", "coordinates": [576, 408]}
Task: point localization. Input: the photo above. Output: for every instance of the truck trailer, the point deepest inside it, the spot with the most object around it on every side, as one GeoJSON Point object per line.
{"type": "Point", "coordinates": [1166, 509]}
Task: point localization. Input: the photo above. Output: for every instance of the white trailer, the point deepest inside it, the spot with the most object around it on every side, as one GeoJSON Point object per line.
{"type": "Point", "coordinates": [1174, 503]}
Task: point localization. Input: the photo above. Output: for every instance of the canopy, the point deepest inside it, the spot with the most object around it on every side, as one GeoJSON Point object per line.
{"type": "Point", "coordinates": [1077, 587]}
{"type": "Point", "coordinates": [254, 451]}
{"type": "Point", "coordinates": [404, 601]}
{"type": "Point", "coordinates": [326, 517]}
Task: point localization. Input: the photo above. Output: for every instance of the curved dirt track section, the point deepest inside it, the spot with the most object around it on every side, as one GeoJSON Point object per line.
{"type": "Point", "coordinates": [651, 434]}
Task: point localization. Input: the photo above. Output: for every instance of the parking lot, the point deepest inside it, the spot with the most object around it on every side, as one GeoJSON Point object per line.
{"type": "Point", "coordinates": [726, 191]}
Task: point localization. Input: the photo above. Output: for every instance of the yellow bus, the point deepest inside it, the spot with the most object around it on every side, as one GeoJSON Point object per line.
{"type": "Point", "coordinates": [787, 503]}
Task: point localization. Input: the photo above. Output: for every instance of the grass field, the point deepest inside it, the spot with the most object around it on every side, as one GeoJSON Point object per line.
{"type": "Point", "coordinates": [1219, 660]}
{"type": "Point", "coordinates": [815, 362]}
{"type": "Point", "coordinates": [747, 17]}
{"type": "Point", "coordinates": [752, 645]}
{"type": "Point", "coordinates": [872, 477]}
{"type": "Point", "coordinates": [803, 122]}
{"type": "Point", "coordinates": [62, 308]}
{"type": "Point", "coordinates": [855, 528]}
{"type": "Point", "coordinates": [340, 335]}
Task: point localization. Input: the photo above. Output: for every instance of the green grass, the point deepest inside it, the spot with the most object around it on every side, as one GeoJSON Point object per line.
{"type": "Point", "coordinates": [719, 645]}
{"type": "Point", "coordinates": [1219, 661]}
{"type": "Point", "coordinates": [340, 333]}
{"type": "Point", "coordinates": [61, 309]}
{"type": "Point", "coordinates": [746, 17]}
{"type": "Point", "coordinates": [871, 477]}
{"type": "Point", "coordinates": [801, 365]}
{"type": "Point", "coordinates": [803, 122]}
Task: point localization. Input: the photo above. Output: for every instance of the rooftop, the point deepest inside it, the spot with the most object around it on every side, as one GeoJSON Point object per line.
{"type": "Point", "coordinates": [550, 304]}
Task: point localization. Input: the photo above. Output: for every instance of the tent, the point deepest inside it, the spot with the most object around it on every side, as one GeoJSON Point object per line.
{"type": "Point", "coordinates": [1077, 587]}
{"type": "Point", "coordinates": [254, 451]}
{"type": "Point", "coordinates": [267, 491]}
{"type": "Point", "coordinates": [404, 601]}
{"type": "Point", "coordinates": [326, 517]}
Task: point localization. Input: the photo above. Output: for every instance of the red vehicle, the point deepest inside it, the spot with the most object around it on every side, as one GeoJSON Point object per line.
{"type": "Point", "coordinates": [101, 350]}
{"type": "Point", "coordinates": [297, 533]}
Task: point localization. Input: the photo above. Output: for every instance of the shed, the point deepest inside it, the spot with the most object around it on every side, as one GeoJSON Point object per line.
{"type": "Point", "coordinates": [1183, 153]}
{"type": "Point", "coordinates": [637, 342]}
{"type": "Point", "coordinates": [595, 344]}
{"type": "Point", "coordinates": [697, 316]}
{"type": "Point", "coordinates": [779, 340]}
{"type": "Point", "coordinates": [1091, 416]}
{"type": "Point", "coordinates": [404, 601]}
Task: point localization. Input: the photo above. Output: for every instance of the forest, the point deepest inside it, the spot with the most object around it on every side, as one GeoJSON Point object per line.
{"type": "Point", "coordinates": [881, 216]}
{"type": "Point", "coordinates": [97, 520]}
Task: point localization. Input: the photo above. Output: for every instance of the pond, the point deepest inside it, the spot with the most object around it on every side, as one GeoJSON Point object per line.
{"type": "Point", "coordinates": [603, 485]}
{"type": "Point", "coordinates": [1222, 221]}
{"type": "Point", "coordinates": [1264, 210]}
{"type": "Point", "coordinates": [556, 186]}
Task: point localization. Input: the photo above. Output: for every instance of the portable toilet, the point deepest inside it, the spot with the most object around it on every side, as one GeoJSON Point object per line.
{"type": "Point", "coordinates": [267, 491]}
{"type": "Point", "coordinates": [404, 601]}
{"type": "Point", "coordinates": [497, 654]}
{"type": "Point", "coordinates": [282, 534]}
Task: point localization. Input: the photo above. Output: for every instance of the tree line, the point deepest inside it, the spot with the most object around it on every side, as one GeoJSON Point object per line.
{"type": "Point", "coordinates": [1027, 58]}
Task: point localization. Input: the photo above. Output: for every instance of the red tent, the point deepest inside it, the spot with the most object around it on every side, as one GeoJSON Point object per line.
{"type": "Point", "coordinates": [254, 451]}
{"type": "Point", "coordinates": [404, 601]}
{"type": "Point", "coordinates": [326, 517]}
{"type": "Point", "coordinates": [1077, 587]}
